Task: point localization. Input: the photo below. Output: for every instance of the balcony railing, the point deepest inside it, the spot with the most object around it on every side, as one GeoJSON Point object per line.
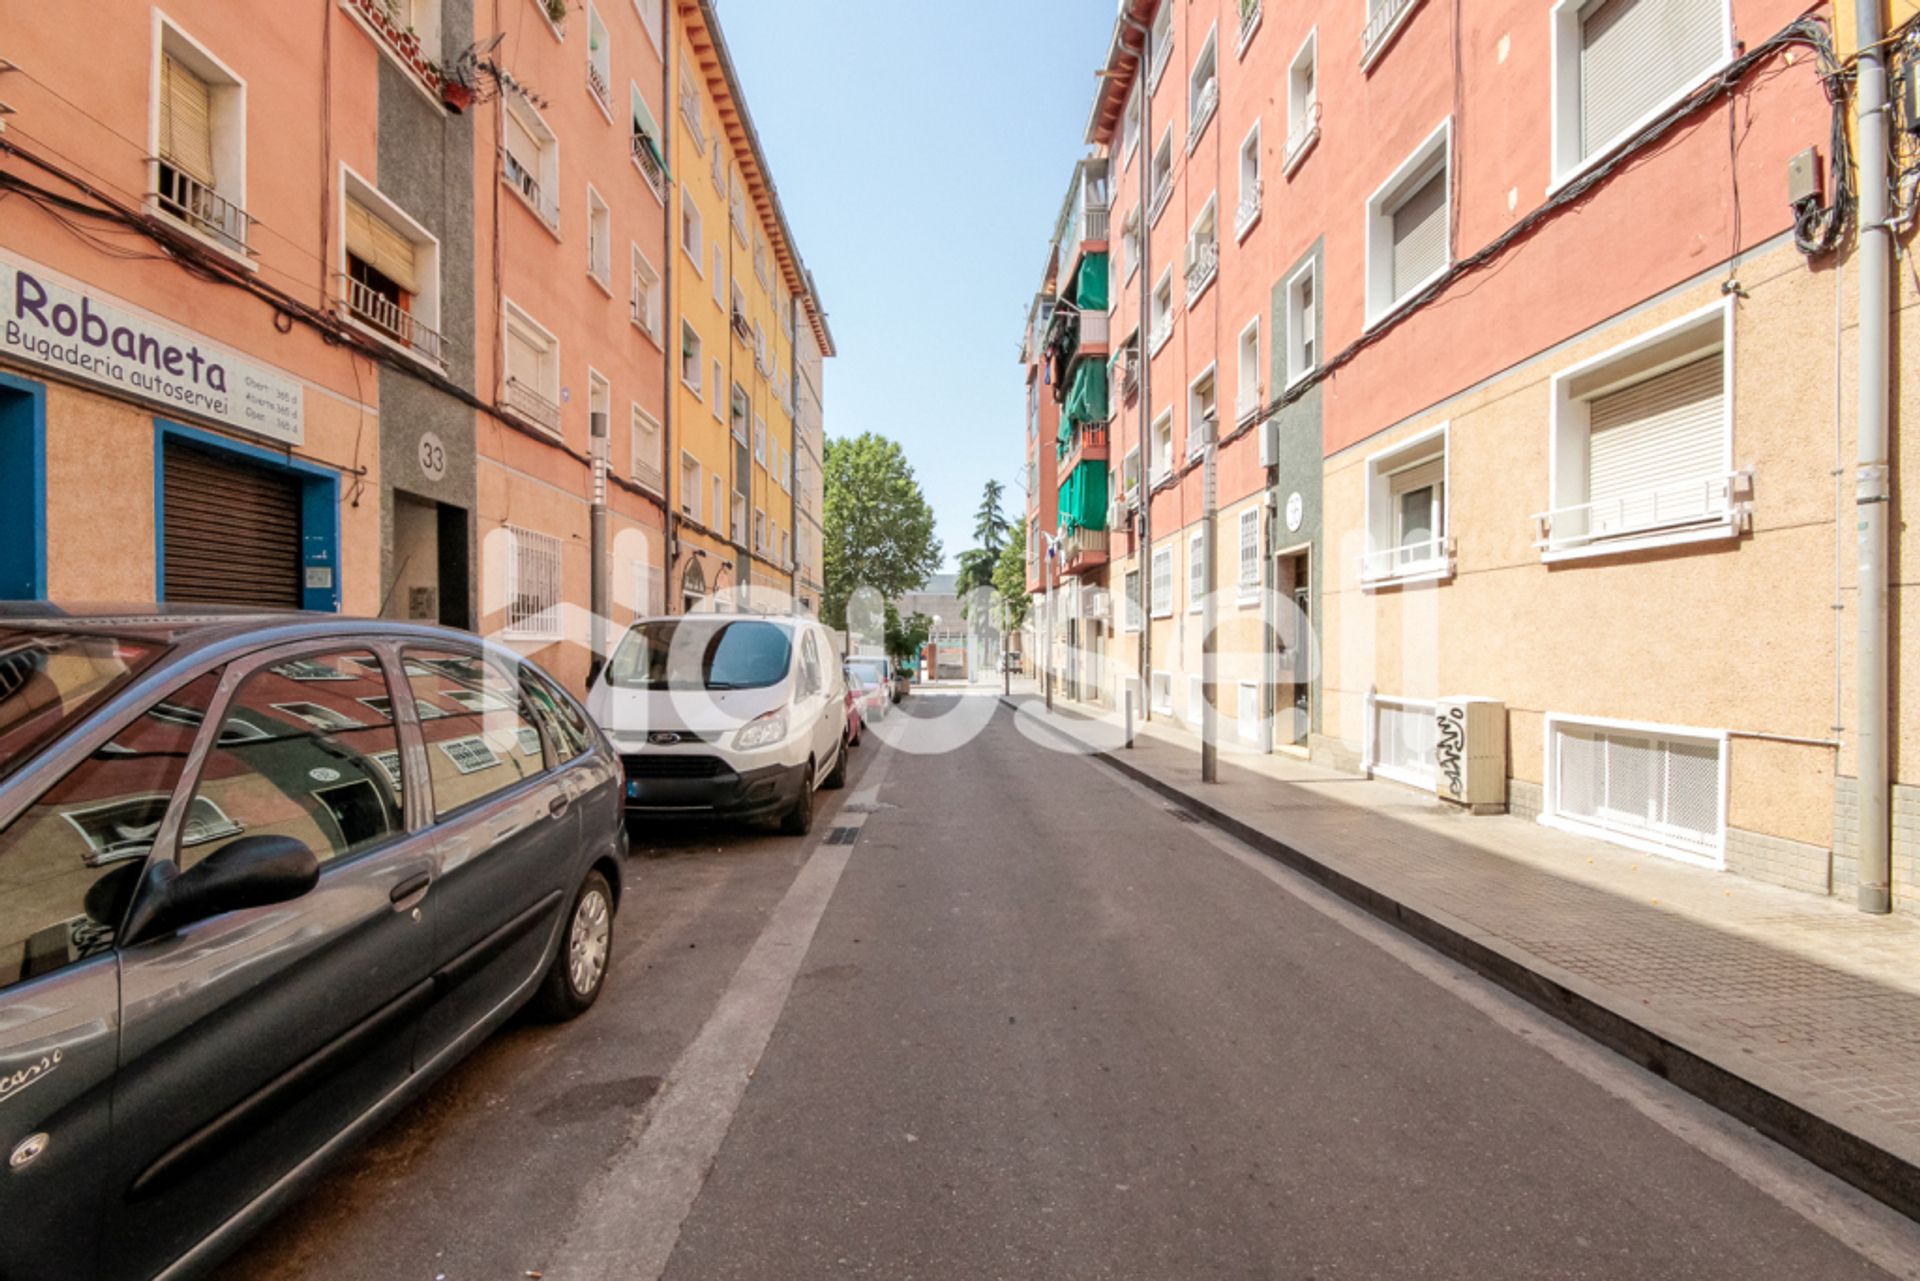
{"type": "Point", "coordinates": [524, 182]}
{"type": "Point", "coordinates": [200, 206]}
{"type": "Point", "coordinates": [380, 313]}
{"type": "Point", "coordinates": [690, 112]}
{"type": "Point", "coordinates": [597, 83]}
{"type": "Point", "coordinates": [1203, 108]}
{"type": "Point", "coordinates": [1130, 376]}
{"type": "Point", "coordinates": [648, 475]}
{"type": "Point", "coordinates": [637, 309]}
{"type": "Point", "coordinates": [1087, 444]}
{"type": "Point", "coordinates": [1381, 24]}
{"type": "Point", "coordinates": [1082, 544]}
{"type": "Point", "coordinates": [531, 406]}
{"type": "Point", "coordinates": [1305, 131]}
{"type": "Point", "coordinates": [1093, 223]}
{"type": "Point", "coordinates": [1203, 263]}
{"type": "Point", "coordinates": [1249, 210]}
{"type": "Point", "coordinates": [1162, 192]}
{"type": "Point", "coordinates": [1162, 55]}
{"type": "Point", "coordinates": [1249, 19]}
{"type": "Point", "coordinates": [649, 165]}
{"type": "Point", "coordinates": [1695, 500]}
{"type": "Point", "coordinates": [1095, 331]}
{"type": "Point", "coordinates": [1428, 557]}
{"type": "Point", "coordinates": [1162, 330]}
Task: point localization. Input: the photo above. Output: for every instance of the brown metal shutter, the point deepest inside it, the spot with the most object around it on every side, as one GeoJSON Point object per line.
{"type": "Point", "coordinates": [232, 532]}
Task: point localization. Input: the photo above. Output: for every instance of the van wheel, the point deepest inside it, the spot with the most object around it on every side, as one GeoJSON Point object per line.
{"type": "Point", "coordinates": [837, 777]}
{"type": "Point", "coordinates": [798, 821]}
{"type": "Point", "coordinates": [579, 969]}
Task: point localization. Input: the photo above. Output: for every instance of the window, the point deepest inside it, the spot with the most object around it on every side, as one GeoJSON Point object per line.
{"type": "Point", "coordinates": [1163, 581]}
{"type": "Point", "coordinates": [759, 347]}
{"type": "Point", "coordinates": [1130, 242]}
{"type": "Point", "coordinates": [786, 556]}
{"type": "Point", "coordinates": [690, 110]}
{"type": "Point", "coordinates": [1162, 176]}
{"type": "Point", "coordinates": [1302, 324]}
{"type": "Point", "coordinates": [69, 859]}
{"type": "Point", "coordinates": [691, 231]}
{"type": "Point", "coordinates": [692, 357]}
{"type": "Point", "coordinates": [1203, 250]}
{"type": "Point", "coordinates": [718, 501]}
{"type": "Point", "coordinates": [1162, 312]}
{"type": "Point", "coordinates": [1247, 212]}
{"type": "Point", "coordinates": [737, 206]}
{"type": "Point", "coordinates": [644, 299]}
{"type": "Point", "coordinates": [389, 271]}
{"type": "Point", "coordinates": [644, 144]}
{"type": "Point", "coordinates": [323, 773]}
{"type": "Point", "coordinates": [1407, 512]}
{"type": "Point", "coordinates": [761, 257]}
{"type": "Point", "coordinates": [646, 448]}
{"type": "Point", "coordinates": [690, 486]}
{"type": "Point", "coordinates": [1203, 89]}
{"type": "Point", "coordinates": [1642, 443]}
{"type": "Point", "coordinates": [1162, 446]}
{"type": "Point", "coordinates": [599, 240]}
{"type": "Point", "coordinates": [760, 440]}
{"type": "Point", "coordinates": [1384, 20]}
{"type": "Point", "coordinates": [1130, 616]}
{"type": "Point", "coordinates": [533, 370]}
{"type": "Point", "coordinates": [1247, 394]}
{"type": "Point", "coordinates": [740, 412]}
{"type": "Point", "coordinates": [1649, 786]}
{"type": "Point", "coordinates": [1401, 736]}
{"type": "Point", "coordinates": [1619, 64]}
{"type": "Point", "coordinates": [598, 56]}
{"type": "Point", "coordinates": [199, 168]}
{"type": "Point", "coordinates": [1161, 37]}
{"type": "Point", "coordinates": [1196, 570]}
{"type": "Point", "coordinates": [1202, 412]}
{"type": "Point", "coordinates": [533, 585]}
{"type": "Point", "coordinates": [759, 530]}
{"type": "Point", "coordinates": [1130, 128]}
{"type": "Point", "coordinates": [650, 19]}
{"type": "Point", "coordinates": [599, 407]}
{"type": "Point", "coordinates": [738, 524]}
{"type": "Point", "coordinates": [719, 379]}
{"type": "Point", "coordinates": [485, 748]}
{"type": "Point", "coordinates": [530, 158]}
{"type": "Point", "coordinates": [1250, 553]}
{"type": "Point", "coordinates": [1303, 102]}
{"type": "Point", "coordinates": [1163, 693]}
{"type": "Point", "coordinates": [1130, 476]}
{"type": "Point", "coordinates": [1408, 227]}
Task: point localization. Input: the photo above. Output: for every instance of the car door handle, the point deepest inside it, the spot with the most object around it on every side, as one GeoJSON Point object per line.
{"type": "Point", "coordinates": [557, 807]}
{"type": "Point", "coordinates": [412, 885]}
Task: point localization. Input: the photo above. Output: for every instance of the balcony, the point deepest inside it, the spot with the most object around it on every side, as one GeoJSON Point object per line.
{"type": "Point", "coordinates": [1130, 374]}
{"type": "Point", "coordinates": [1088, 444]}
{"type": "Point", "coordinates": [1096, 329]}
{"type": "Point", "coordinates": [1384, 20]}
{"type": "Point", "coordinates": [1430, 558]}
{"type": "Point", "coordinates": [1162, 330]}
{"type": "Point", "coordinates": [1162, 192]}
{"type": "Point", "coordinates": [741, 329]}
{"type": "Point", "coordinates": [648, 475]}
{"type": "Point", "coordinates": [1203, 108]}
{"type": "Point", "coordinates": [391, 321]}
{"type": "Point", "coordinates": [1686, 510]}
{"type": "Point", "coordinates": [1248, 212]}
{"type": "Point", "coordinates": [528, 405]}
{"type": "Point", "coordinates": [648, 161]}
{"type": "Point", "coordinates": [1162, 55]}
{"type": "Point", "coordinates": [1306, 132]}
{"type": "Point", "coordinates": [1203, 264]}
{"type": "Point", "coordinates": [523, 181]}
{"type": "Point", "coordinates": [637, 310]}
{"type": "Point", "coordinates": [1249, 22]}
{"type": "Point", "coordinates": [1083, 549]}
{"type": "Point", "coordinates": [188, 200]}
{"type": "Point", "coordinates": [1093, 224]}
{"type": "Point", "coordinates": [597, 85]}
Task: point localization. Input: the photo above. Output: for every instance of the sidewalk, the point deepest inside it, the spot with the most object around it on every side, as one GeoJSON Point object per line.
{"type": "Point", "coordinates": [1794, 1013]}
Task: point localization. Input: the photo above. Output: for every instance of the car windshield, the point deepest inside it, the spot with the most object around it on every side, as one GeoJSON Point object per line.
{"type": "Point", "coordinates": [870, 673]}
{"type": "Point", "coordinates": [703, 654]}
{"type": "Point", "coordinates": [50, 681]}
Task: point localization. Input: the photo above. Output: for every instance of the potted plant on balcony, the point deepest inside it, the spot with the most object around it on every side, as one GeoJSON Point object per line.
{"type": "Point", "coordinates": [557, 11]}
{"type": "Point", "coordinates": [456, 93]}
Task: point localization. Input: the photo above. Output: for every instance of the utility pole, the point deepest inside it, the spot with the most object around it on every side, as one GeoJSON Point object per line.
{"type": "Point", "coordinates": [1052, 577]}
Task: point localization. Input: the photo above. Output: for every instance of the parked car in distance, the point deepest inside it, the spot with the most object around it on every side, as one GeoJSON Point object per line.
{"type": "Point", "coordinates": [873, 693]}
{"type": "Point", "coordinates": [856, 696]}
{"type": "Point", "coordinates": [877, 672]}
{"type": "Point", "coordinates": [725, 716]}
{"type": "Point", "coordinates": [262, 878]}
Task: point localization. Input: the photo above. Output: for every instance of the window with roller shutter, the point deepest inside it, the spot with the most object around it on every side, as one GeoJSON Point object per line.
{"type": "Point", "coordinates": [1409, 226]}
{"type": "Point", "coordinates": [1619, 63]}
{"type": "Point", "coordinates": [198, 168]}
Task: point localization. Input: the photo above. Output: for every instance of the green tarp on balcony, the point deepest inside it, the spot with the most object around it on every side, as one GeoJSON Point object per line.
{"type": "Point", "coordinates": [1090, 293]}
{"type": "Point", "coordinates": [1083, 498]}
{"type": "Point", "coordinates": [1086, 396]}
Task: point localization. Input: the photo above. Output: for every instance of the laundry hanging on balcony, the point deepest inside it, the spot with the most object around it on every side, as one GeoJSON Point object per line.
{"type": "Point", "coordinates": [1090, 292]}
{"type": "Point", "coordinates": [1086, 396]}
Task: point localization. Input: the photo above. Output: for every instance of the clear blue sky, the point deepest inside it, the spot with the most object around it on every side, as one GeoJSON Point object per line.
{"type": "Point", "coordinates": [922, 151]}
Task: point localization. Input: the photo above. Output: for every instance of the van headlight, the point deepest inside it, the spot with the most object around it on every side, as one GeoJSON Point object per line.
{"type": "Point", "coordinates": [762, 731]}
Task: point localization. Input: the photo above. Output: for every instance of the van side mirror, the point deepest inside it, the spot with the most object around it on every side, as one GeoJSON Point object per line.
{"type": "Point", "coordinates": [253, 871]}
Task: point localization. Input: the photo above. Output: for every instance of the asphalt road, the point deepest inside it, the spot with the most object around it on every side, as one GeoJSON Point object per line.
{"type": "Point", "coordinates": [1032, 1023]}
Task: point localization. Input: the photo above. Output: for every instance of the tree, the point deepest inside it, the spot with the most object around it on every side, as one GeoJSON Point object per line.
{"type": "Point", "coordinates": [878, 525]}
{"type": "Point", "coordinates": [990, 525]}
{"type": "Point", "coordinates": [906, 640]}
{"type": "Point", "coordinates": [1010, 581]}
{"type": "Point", "coordinates": [976, 570]}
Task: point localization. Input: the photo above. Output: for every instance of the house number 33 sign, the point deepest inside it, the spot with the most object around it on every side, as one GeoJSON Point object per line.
{"type": "Point", "coordinates": [433, 456]}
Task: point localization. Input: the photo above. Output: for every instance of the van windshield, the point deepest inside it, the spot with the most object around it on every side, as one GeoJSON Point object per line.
{"type": "Point", "coordinates": [701, 653]}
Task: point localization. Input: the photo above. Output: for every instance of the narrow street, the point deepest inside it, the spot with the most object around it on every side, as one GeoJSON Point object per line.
{"type": "Point", "coordinates": [1047, 1028]}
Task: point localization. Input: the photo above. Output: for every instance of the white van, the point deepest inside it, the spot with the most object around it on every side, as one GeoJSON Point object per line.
{"type": "Point", "coordinates": [725, 715]}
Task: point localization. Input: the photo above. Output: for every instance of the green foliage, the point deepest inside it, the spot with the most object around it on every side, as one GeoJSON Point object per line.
{"type": "Point", "coordinates": [990, 525]}
{"type": "Point", "coordinates": [976, 570]}
{"type": "Point", "coordinates": [878, 525]}
{"type": "Point", "coordinates": [904, 640]}
{"type": "Point", "coordinates": [1010, 580]}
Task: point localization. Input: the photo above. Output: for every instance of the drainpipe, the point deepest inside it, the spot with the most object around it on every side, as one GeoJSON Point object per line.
{"type": "Point", "coordinates": [669, 461]}
{"type": "Point", "coordinates": [598, 545]}
{"type": "Point", "coordinates": [1209, 616]}
{"type": "Point", "coordinates": [1144, 558]}
{"type": "Point", "coordinates": [1872, 477]}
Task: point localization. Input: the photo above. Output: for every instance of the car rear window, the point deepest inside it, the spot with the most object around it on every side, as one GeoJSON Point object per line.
{"type": "Point", "coordinates": [50, 681]}
{"type": "Point", "coordinates": [701, 654]}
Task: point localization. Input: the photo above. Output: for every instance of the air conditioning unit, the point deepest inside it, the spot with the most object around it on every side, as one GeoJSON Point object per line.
{"type": "Point", "coordinates": [1097, 605]}
{"type": "Point", "coordinates": [1470, 753]}
{"type": "Point", "coordinates": [1117, 514]}
{"type": "Point", "coordinates": [1269, 443]}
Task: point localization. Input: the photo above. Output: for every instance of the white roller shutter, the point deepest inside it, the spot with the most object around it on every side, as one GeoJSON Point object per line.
{"type": "Point", "coordinates": [1420, 234]}
{"type": "Point", "coordinates": [1634, 54]}
{"type": "Point", "coordinates": [1650, 441]}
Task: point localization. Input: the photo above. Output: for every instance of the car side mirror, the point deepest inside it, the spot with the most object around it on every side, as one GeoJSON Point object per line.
{"type": "Point", "coordinates": [253, 871]}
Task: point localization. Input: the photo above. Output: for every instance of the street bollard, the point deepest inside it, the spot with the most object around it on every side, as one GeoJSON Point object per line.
{"type": "Point", "coordinates": [1129, 738]}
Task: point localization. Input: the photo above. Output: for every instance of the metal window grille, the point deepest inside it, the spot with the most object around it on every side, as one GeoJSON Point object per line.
{"type": "Point", "coordinates": [1650, 786]}
{"type": "Point", "coordinates": [1404, 735]}
{"type": "Point", "coordinates": [533, 585]}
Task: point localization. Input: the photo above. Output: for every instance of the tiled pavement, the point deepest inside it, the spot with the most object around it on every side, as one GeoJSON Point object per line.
{"type": "Point", "coordinates": [1802, 996]}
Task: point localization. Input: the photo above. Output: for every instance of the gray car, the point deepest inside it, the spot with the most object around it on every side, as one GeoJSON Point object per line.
{"type": "Point", "coordinates": [261, 879]}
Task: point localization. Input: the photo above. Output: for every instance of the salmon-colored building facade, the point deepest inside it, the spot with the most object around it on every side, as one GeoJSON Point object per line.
{"type": "Point", "coordinates": [1525, 348]}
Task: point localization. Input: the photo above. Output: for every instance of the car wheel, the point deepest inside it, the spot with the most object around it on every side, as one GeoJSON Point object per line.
{"type": "Point", "coordinates": [836, 777]}
{"type": "Point", "coordinates": [798, 821]}
{"type": "Point", "coordinates": [579, 970]}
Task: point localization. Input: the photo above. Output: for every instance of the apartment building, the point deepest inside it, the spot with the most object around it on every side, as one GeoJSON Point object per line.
{"type": "Point", "coordinates": [1043, 423]}
{"type": "Point", "coordinates": [1511, 352]}
{"type": "Point", "coordinates": [809, 468]}
{"type": "Point", "coordinates": [741, 296]}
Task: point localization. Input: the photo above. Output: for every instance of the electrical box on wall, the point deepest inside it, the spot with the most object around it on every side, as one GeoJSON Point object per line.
{"type": "Point", "coordinates": [1470, 753]}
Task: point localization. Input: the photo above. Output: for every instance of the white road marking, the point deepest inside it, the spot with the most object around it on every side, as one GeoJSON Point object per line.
{"type": "Point", "coordinates": [1877, 1233]}
{"type": "Point", "coordinates": [627, 1225]}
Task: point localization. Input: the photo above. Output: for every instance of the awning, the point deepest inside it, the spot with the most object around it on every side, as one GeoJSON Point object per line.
{"type": "Point", "coordinates": [1090, 292]}
{"type": "Point", "coordinates": [1083, 497]}
{"type": "Point", "coordinates": [1087, 393]}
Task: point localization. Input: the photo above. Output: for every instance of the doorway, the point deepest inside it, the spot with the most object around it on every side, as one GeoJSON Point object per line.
{"type": "Point", "coordinates": [430, 563]}
{"type": "Point", "coordinates": [1293, 691]}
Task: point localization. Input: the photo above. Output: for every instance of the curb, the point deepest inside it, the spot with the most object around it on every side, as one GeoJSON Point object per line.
{"type": "Point", "coordinates": [1826, 1143]}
